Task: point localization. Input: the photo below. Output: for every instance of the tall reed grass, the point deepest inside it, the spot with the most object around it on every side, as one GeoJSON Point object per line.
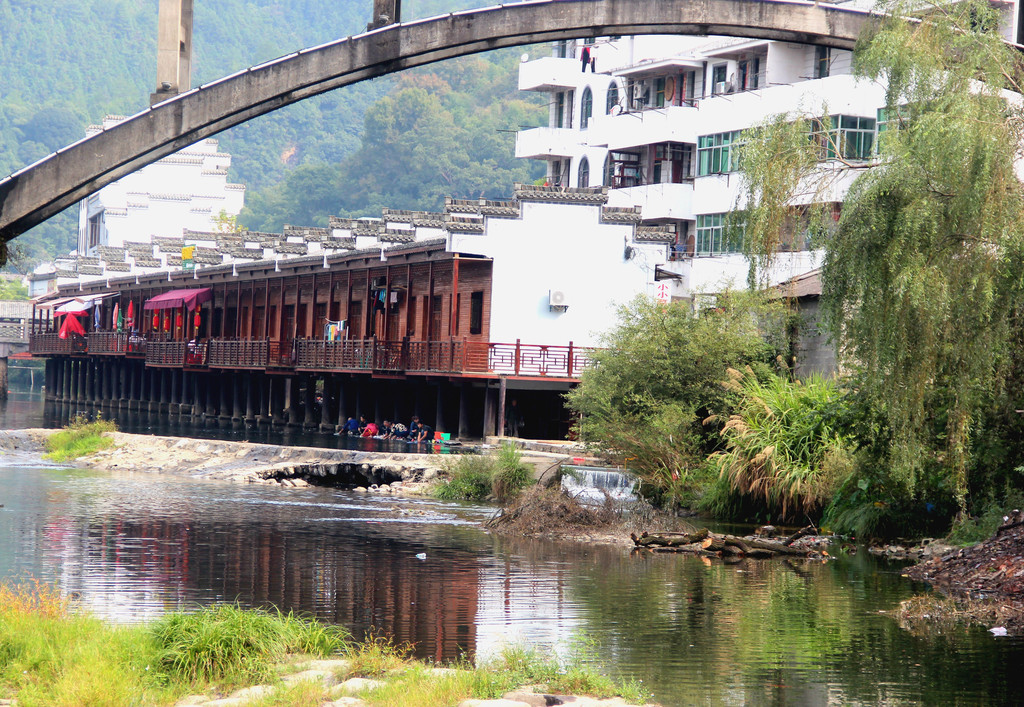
{"type": "Point", "coordinates": [783, 447]}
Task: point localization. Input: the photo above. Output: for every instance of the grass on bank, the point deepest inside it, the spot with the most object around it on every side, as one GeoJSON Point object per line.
{"type": "Point", "coordinates": [477, 477]}
{"type": "Point", "coordinates": [79, 438]}
{"type": "Point", "coordinates": [54, 655]}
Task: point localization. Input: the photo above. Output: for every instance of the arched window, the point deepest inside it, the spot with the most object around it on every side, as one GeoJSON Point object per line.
{"type": "Point", "coordinates": [613, 98]}
{"type": "Point", "coordinates": [583, 179]}
{"type": "Point", "coordinates": [586, 108]}
{"type": "Point", "coordinates": [608, 170]}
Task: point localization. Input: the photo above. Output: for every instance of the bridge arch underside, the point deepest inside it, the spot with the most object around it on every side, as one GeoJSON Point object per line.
{"type": "Point", "coordinates": [35, 193]}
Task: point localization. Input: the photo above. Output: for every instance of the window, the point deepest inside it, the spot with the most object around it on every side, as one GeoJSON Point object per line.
{"type": "Point", "coordinates": [716, 154]}
{"type": "Point", "coordinates": [608, 168]}
{"type": "Point", "coordinates": [586, 108]}
{"type": "Point", "coordinates": [583, 178]}
{"type": "Point", "coordinates": [713, 237]}
{"type": "Point", "coordinates": [95, 229]}
{"type": "Point", "coordinates": [672, 163]}
{"type": "Point", "coordinates": [845, 137]}
{"type": "Point", "coordinates": [559, 110]}
{"type": "Point", "coordinates": [822, 60]}
{"type": "Point", "coordinates": [659, 92]}
{"type": "Point", "coordinates": [623, 169]}
{"type": "Point", "coordinates": [718, 79]}
{"type": "Point", "coordinates": [613, 98]}
{"type": "Point", "coordinates": [476, 313]}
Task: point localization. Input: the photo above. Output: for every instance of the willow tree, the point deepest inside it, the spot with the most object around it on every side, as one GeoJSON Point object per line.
{"type": "Point", "coordinates": [923, 274]}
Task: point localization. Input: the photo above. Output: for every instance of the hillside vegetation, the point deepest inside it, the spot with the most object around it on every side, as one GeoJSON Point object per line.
{"type": "Point", "coordinates": [403, 141]}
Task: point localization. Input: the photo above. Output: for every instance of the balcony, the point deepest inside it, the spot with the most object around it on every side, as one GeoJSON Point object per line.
{"type": "Point", "coordinates": [111, 343]}
{"type": "Point", "coordinates": [657, 201]}
{"type": "Point", "coordinates": [234, 353]}
{"type": "Point", "coordinates": [549, 74]}
{"type": "Point", "coordinates": [50, 344]}
{"type": "Point", "coordinates": [448, 357]}
{"type": "Point", "coordinates": [644, 127]}
{"type": "Point", "coordinates": [542, 143]}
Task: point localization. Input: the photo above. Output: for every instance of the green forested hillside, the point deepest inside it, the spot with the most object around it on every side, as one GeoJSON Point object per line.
{"type": "Point", "coordinates": [402, 141]}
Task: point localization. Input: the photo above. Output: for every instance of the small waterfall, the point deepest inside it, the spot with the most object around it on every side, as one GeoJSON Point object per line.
{"type": "Point", "coordinates": [590, 484]}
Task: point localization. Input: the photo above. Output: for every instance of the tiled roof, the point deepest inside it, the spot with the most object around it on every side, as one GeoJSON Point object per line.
{"type": "Point", "coordinates": [118, 266]}
{"type": "Point", "coordinates": [620, 214]}
{"type": "Point", "coordinates": [563, 195]}
{"type": "Point", "coordinates": [653, 234]}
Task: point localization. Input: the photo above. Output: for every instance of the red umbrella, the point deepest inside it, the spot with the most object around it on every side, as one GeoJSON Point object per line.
{"type": "Point", "coordinates": [71, 325]}
{"type": "Point", "coordinates": [131, 314]}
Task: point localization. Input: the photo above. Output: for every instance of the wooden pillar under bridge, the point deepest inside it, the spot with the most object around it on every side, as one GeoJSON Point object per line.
{"type": "Point", "coordinates": [237, 414]}
{"type": "Point", "coordinates": [490, 405]}
{"type": "Point", "coordinates": [439, 425]}
{"type": "Point", "coordinates": [463, 430]}
{"type": "Point", "coordinates": [325, 406]}
{"type": "Point", "coordinates": [502, 389]}
{"type": "Point", "coordinates": [342, 405]}
{"type": "Point", "coordinates": [226, 383]}
{"type": "Point", "coordinates": [56, 392]}
{"type": "Point", "coordinates": [3, 377]}
{"type": "Point", "coordinates": [309, 402]}
{"type": "Point", "coordinates": [251, 393]}
{"type": "Point", "coordinates": [198, 390]}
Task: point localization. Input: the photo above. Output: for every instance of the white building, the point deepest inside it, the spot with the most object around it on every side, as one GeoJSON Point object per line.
{"type": "Point", "coordinates": [186, 190]}
{"type": "Point", "coordinates": [658, 120]}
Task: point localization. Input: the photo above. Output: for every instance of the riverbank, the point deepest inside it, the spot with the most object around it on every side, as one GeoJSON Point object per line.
{"type": "Point", "coordinates": [224, 656]}
{"type": "Point", "coordinates": [245, 462]}
{"type": "Point", "coordinates": [985, 582]}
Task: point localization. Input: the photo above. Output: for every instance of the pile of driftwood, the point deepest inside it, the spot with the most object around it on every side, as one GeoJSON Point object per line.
{"type": "Point", "coordinates": [704, 542]}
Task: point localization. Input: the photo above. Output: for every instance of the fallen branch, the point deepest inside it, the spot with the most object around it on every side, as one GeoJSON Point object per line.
{"type": "Point", "coordinates": [704, 541]}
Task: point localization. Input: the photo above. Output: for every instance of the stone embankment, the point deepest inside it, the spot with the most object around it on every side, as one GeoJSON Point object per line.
{"type": "Point", "coordinates": [246, 462]}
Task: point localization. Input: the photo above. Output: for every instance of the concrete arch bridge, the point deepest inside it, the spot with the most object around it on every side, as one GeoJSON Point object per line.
{"type": "Point", "coordinates": [32, 195]}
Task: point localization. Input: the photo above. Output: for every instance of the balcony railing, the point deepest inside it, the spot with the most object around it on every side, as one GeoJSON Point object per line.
{"type": "Point", "coordinates": [238, 353]}
{"type": "Point", "coordinates": [451, 356]}
{"type": "Point", "coordinates": [166, 353]}
{"type": "Point", "coordinates": [108, 342]}
{"type": "Point", "coordinates": [50, 344]}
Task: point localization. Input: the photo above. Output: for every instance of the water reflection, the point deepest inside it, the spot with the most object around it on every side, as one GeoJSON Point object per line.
{"type": "Point", "coordinates": [145, 422]}
{"type": "Point", "coordinates": [755, 632]}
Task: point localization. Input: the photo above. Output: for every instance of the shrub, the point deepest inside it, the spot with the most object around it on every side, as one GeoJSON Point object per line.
{"type": "Point", "coordinates": [510, 475]}
{"type": "Point", "coordinates": [469, 478]}
{"type": "Point", "coordinates": [79, 438]}
{"type": "Point", "coordinates": [231, 645]}
{"type": "Point", "coordinates": [476, 477]}
{"type": "Point", "coordinates": [783, 446]}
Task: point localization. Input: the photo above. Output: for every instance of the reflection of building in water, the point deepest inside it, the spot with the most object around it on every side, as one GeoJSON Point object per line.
{"type": "Point", "coordinates": [370, 581]}
{"type": "Point", "coordinates": [526, 602]}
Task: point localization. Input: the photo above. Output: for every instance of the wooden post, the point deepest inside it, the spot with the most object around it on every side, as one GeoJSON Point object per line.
{"type": "Point", "coordinates": [502, 389]}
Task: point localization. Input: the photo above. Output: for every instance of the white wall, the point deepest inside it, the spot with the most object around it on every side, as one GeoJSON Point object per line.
{"type": "Point", "coordinates": [559, 247]}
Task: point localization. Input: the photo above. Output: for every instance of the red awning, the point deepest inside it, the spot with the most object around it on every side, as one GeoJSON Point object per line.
{"type": "Point", "coordinates": [190, 299]}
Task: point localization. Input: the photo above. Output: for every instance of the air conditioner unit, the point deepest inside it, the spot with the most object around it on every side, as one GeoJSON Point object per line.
{"type": "Point", "coordinates": [379, 283]}
{"type": "Point", "coordinates": [720, 87]}
{"type": "Point", "coordinates": [557, 299]}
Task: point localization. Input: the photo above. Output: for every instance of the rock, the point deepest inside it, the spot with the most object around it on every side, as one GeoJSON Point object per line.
{"type": "Point", "coordinates": [346, 702]}
{"type": "Point", "coordinates": [325, 677]}
{"type": "Point", "coordinates": [360, 489]}
{"type": "Point", "coordinates": [494, 703]}
{"type": "Point", "coordinates": [187, 701]}
{"type": "Point", "coordinates": [531, 698]}
{"type": "Point", "coordinates": [335, 665]}
{"type": "Point", "coordinates": [354, 685]}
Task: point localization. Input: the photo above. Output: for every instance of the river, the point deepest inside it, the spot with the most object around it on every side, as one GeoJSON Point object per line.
{"type": "Point", "coordinates": [694, 631]}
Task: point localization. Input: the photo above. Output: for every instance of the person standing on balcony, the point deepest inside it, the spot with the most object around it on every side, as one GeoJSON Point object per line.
{"type": "Point", "coordinates": [585, 59]}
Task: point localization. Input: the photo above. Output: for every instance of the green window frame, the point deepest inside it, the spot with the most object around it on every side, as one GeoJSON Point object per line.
{"type": "Point", "coordinates": [846, 137]}
{"type": "Point", "coordinates": [712, 236]}
{"type": "Point", "coordinates": [717, 154]}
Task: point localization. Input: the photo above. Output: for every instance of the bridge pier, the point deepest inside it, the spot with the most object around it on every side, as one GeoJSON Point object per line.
{"type": "Point", "coordinates": [237, 414]}
{"type": "Point", "coordinates": [309, 402]}
{"type": "Point", "coordinates": [463, 430]}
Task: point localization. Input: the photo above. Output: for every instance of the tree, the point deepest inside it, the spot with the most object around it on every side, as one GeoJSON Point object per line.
{"type": "Point", "coordinates": [658, 378]}
{"type": "Point", "coordinates": [923, 277]}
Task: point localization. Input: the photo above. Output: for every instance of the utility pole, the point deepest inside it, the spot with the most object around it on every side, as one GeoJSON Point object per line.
{"type": "Point", "coordinates": [173, 50]}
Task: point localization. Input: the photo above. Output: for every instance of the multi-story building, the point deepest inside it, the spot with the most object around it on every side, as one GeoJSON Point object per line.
{"type": "Point", "coordinates": [657, 121]}
{"type": "Point", "coordinates": [187, 190]}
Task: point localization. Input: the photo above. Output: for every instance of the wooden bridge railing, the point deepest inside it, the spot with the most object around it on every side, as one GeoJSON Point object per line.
{"type": "Point", "coordinates": [245, 353]}
{"type": "Point", "coordinates": [165, 353]}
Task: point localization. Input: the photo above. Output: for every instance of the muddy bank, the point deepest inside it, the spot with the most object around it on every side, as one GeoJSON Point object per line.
{"type": "Point", "coordinates": [245, 462]}
{"type": "Point", "coordinates": [991, 572]}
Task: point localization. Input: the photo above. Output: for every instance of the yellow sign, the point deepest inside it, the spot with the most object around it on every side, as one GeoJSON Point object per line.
{"type": "Point", "coordinates": [187, 251]}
